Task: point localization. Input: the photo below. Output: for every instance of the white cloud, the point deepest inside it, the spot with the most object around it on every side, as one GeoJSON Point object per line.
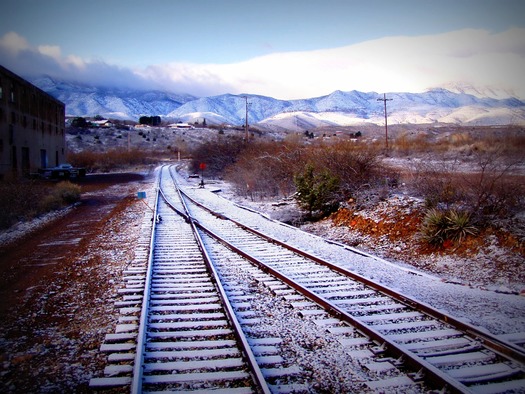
{"type": "Point", "coordinates": [13, 43]}
{"type": "Point", "coordinates": [390, 64]}
{"type": "Point", "coordinates": [412, 64]}
{"type": "Point", "coordinates": [51, 51]}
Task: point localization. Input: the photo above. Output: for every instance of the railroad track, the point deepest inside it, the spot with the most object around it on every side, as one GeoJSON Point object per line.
{"type": "Point", "coordinates": [425, 347]}
{"type": "Point", "coordinates": [187, 336]}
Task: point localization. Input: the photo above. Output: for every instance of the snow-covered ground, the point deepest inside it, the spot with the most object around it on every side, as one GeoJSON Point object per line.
{"type": "Point", "coordinates": [497, 312]}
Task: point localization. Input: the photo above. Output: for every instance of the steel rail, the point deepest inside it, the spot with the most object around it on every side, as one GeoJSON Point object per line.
{"type": "Point", "coordinates": [410, 359]}
{"type": "Point", "coordinates": [498, 345]}
{"type": "Point", "coordinates": [415, 362]}
{"type": "Point", "coordinates": [136, 383]}
{"type": "Point", "coordinates": [249, 356]}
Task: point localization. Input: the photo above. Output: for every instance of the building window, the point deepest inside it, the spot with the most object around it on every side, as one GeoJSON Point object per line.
{"type": "Point", "coordinates": [13, 118]}
{"type": "Point", "coordinates": [11, 134]}
{"type": "Point", "coordinates": [12, 96]}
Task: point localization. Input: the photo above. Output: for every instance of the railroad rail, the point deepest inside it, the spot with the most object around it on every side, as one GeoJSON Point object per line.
{"type": "Point", "coordinates": [442, 350]}
{"type": "Point", "coordinates": [427, 347]}
{"type": "Point", "coordinates": [188, 336]}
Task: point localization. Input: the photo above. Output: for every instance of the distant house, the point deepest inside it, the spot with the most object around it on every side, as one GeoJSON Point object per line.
{"type": "Point", "coordinates": [181, 126]}
{"type": "Point", "coordinates": [102, 123]}
{"type": "Point", "coordinates": [32, 127]}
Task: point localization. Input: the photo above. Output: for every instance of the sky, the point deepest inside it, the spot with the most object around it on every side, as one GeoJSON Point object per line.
{"type": "Point", "coordinates": [287, 49]}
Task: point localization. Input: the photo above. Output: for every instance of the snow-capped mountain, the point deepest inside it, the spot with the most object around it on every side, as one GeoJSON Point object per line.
{"type": "Point", "coordinates": [437, 105]}
{"type": "Point", "coordinates": [116, 103]}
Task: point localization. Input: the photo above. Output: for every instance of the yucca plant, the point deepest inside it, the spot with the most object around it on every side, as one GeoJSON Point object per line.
{"type": "Point", "coordinates": [434, 227]}
{"type": "Point", "coordinates": [459, 225]}
{"type": "Point", "coordinates": [439, 226]}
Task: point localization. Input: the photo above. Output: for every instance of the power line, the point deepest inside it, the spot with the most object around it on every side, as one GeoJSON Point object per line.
{"type": "Point", "coordinates": [384, 100]}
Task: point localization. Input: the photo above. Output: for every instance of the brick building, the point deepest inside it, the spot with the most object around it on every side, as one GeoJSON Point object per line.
{"type": "Point", "coordinates": [32, 127]}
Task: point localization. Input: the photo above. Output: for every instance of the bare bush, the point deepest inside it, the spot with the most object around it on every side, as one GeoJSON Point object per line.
{"type": "Point", "coordinates": [24, 199]}
{"type": "Point", "coordinates": [19, 200]}
{"type": "Point", "coordinates": [491, 190]}
{"type": "Point", "coordinates": [112, 159]}
{"type": "Point", "coordinates": [266, 169]}
{"type": "Point", "coordinates": [358, 168]}
{"type": "Point", "coordinates": [484, 189]}
{"type": "Point", "coordinates": [217, 154]}
{"type": "Point", "coordinates": [438, 182]}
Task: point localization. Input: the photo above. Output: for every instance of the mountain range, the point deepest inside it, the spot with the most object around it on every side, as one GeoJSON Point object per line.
{"type": "Point", "coordinates": [339, 108]}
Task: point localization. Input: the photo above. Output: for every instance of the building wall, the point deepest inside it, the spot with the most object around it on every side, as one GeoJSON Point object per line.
{"type": "Point", "coordinates": [32, 127]}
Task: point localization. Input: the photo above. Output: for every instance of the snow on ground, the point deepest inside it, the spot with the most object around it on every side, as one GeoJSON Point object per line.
{"type": "Point", "coordinates": [497, 312]}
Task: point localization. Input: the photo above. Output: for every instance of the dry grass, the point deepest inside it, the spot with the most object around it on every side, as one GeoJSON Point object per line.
{"type": "Point", "coordinates": [24, 199]}
{"type": "Point", "coordinates": [113, 159]}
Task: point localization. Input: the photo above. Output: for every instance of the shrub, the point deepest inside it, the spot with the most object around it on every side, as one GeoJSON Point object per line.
{"type": "Point", "coordinates": [434, 227]}
{"type": "Point", "coordinates": [265, 169]}
{"type": "Point", "coordinates": [64, 193]}
{"type": "Point", "coordinates": [18, 200]}
{"type": "Point", "coordinates": [68, 192]}
{"type": "Point", "coordinates": [317, 191]}
{"type": "Point", "coordinates": [459, 225]}
{"type": "Point", "coordinates": [439, 226]}
{"type": "Point", "coordinates": [25, 199]}
{"type": "Point", "coordinates": [110, 160]}
{"type": "Point", "coordinates": [358, 169]}
{"type": "Point", "coordinates": [438, 183]}
{"type": "Point", "coordinates": [217, 155]}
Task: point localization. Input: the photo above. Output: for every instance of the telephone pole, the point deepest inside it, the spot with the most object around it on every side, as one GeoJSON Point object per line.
{"type": "Point", "coordinates": [384, 100]}
{"type": "Point", "coordinates": [246, 119]}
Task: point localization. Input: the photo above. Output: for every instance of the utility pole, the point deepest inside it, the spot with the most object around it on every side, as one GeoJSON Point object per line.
{"type": "Point", "coordinates": [246, 119]}
{"type": "Point", "coordinates": [384, 100]}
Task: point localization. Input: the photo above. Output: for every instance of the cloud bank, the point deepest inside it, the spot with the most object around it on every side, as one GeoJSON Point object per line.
{"type": "Point", "coordinates": [392, 64]}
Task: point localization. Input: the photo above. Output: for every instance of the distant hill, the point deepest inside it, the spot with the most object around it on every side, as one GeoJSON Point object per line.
{"type": "Point", "coordinates": [336, 109]}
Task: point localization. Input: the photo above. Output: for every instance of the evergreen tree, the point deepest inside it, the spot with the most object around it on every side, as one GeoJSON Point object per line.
{"type": "Point", "coordinates": [317, 192]}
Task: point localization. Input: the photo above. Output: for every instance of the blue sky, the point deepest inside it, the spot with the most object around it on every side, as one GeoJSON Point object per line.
{"type": "Point", "coordinates": [284, 49]}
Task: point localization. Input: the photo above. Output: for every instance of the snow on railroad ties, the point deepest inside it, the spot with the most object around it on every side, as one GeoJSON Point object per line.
{"type": "Point", "coordinates": [498, 313]}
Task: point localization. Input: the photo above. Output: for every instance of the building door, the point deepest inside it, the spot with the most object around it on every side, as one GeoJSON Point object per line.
{"type": "Point", "coordinates": [14, 161]}
{"type": "Point", "coordinates": [25, 161]}
{"type": "Point", "coordinates": [43, 158]}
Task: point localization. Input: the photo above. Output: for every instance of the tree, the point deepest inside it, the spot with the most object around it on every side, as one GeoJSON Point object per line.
{"type": "Point", "coordinates": [150, 120]}
{"type": "Point", "coordinates": [80, 122]}
{"type": "Point", "coordinates": [317, 192]}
